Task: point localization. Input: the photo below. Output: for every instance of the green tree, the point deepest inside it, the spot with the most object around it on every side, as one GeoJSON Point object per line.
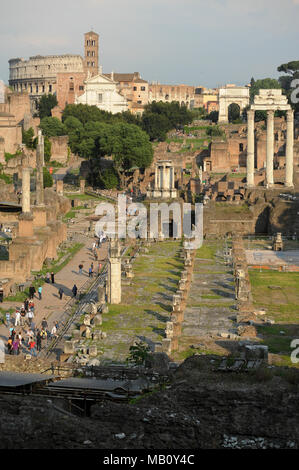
{"type": "Point", "coordinates": [52, 127]}
{"type": "Point", "coordinates": [138, 353]}
{"type": "Point", "coordinates": [46, 104]}
{"type": "Point", "coordinates": [213, 116]}
{"type": "Point", "coordinates": [264, 83]}
{"type": "Point", "coordinates": [48, 180]}
{"type": "Point", "coordinates": [28, 138]}
{"type": "Point", "coordinates": [233, 112]}
{"type": "Point", "coordinates": [108, 179]}
{"type": "Point", "coordinates": [156, 126]}
{"type": "Point", "coordinates": [48, 148]}
{"type": "Point", "coordinates": [291, 69]}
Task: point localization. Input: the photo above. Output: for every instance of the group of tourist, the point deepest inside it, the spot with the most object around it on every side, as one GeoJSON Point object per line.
{"type": "Point", "coordinates": [31, 340]}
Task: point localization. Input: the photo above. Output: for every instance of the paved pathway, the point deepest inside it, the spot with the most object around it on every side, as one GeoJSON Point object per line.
{"type": "Point", "coordinates": [50, 306]}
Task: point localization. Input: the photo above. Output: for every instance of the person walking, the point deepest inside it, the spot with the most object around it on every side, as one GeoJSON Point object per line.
{"type": "Point", "coordinates": [30, 316]}
{"type": "Point", "coordinates": [44, 334]}
{"type": "Point", "coordinates": [32, 348]}
{"type": "Point", "coordinates": [15, 346]}
{"type": "Point", "coordinates": [40, 289]}
{"type": "Point", "coordinates": [80, 268]}
{"type": "Point", "coordinates": [61, 292]}
{"type": "Point", "coordinates": [23, 315]}
{"type": "Point", "coordinates": [38, 341]}
{"type": "Point", "coordinates": [26, 305]}
{"type": "Point", "coordinates": [74, 290]}
{"type": "Point", "coordinates": [9, 345]}
{"type": "Point", "coordinates": [18, 318]}
{"type": "Point", "coordinates": [90, 272]}
{"type": "Point", "coordinates": [54, 332]}
{"type": "Point", "coordinates": [44, 324]}
{"type": "Point", "coordinates": [48, 278]}
{"type": "Point", "coordinates": [30, 336]}
{"type": "Point", "coordinates": [32, 291]}
{"type": "Point", "coordinates": [7, 316]}
{"type": "Point", "coordinates": [52, 278]}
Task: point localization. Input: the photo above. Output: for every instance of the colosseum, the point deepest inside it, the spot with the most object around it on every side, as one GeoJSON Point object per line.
{"type": "Point", "coordinates": [38, 75]}
{"type": "Point", "coordinates": [62, 75]}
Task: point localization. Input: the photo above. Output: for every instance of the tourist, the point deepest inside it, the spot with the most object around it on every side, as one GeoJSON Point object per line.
{"type": "Point", "coordinates": [38, 341]}
{"type": "Point", "coordinates": [12, 332]}
{"type": "Point", "coordinates": [9, 345]}
{"type": "Point", "coordinates": [43, 334]}
{"type": "Point", "coordinates": [31, 306]}
{"type": "Point", "coordinates": [44, 324]}
{"type": "Point", "coordinates": [7, 316]}
{"type": "Point", "coordinates": [30, 316]}
{"type": "Point", "coordinates": [30, 335]}
{"type": "Point", "coordinates": [61, 292]}
{"type": "Point", "coordinates": [20, 338]}
{"type": "Point", "coordinates": [32, 291]}
{"type": "Point", "coordinates": [48, 278]}
{"type": "Point", "coordinates": [80, 268]}
{"type": "Point", "coordinates": [52, 278]}
{"type": "Point", "coordinates": [54, 332]}
{"type": "Point", "coordinates": [18, 318]}
{"type": "Point", "coordinates": [74, 290]}
{"type": "Point", "coordinates": [16, 345]}
{"type": "Point", "coordinates": [40, 292]}
{"type": "Point", "coordinates": [23, 315]}
{"type": "Point", "coordinates": [26, 305]}
{"type": "Point", "coordinates": [32, 348]}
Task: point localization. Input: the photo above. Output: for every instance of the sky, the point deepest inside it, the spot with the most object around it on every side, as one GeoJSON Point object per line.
{"type": "Point", "coordinates": [195, 42]}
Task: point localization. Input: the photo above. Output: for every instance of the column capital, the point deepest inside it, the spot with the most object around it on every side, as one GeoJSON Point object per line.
{"type": "Point", "coordinates": [250, 112]}
{"type": "Point", "coordinates": [270, 113]}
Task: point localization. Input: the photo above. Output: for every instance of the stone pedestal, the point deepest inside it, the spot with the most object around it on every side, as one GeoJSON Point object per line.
{"type": "Point", "coordinates": [82, 186]}
{"type": "Point", "coordinates": [25, 228]}
{"type": "Point", "coordinates": [59, 187]}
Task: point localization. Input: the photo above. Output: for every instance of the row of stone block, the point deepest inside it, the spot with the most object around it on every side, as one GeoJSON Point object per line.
{"type": "Point", "coordinates": [174, 326]}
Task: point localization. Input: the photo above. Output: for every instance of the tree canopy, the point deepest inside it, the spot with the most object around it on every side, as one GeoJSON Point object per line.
{"type": "Point", "coordinates": [46, 104]}
{"type": "Point", "coordinates": [159, 118]}
{"type": "Point", "coordinates": [264, 83]}
{"type": "Point", "coordinates": [291, 69]}
{"type": "Point", "coordinates": [52, 127]}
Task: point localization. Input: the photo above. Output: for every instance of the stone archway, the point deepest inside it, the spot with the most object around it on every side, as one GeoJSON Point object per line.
{"type": "Point", "coordinates": [229, 95]}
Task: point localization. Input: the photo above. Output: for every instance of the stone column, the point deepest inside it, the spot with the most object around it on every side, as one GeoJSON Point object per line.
{"type": "Point", "coordinates": [25, 227]}
{"type": "Point", "coordinates": [250, 148]}
{"type": "Point", "coordinates": [114, 274]}
{"type": "Point", "coordinates": [289, 149]}
{"type": "Point", "coordinates": [270, 148]}
{"type": "Point", "coordinates": [26, 190]}
{"type": "Point", "coordinates": [39, 170]}
{"type": "Point", "coordinates": [156, 177]}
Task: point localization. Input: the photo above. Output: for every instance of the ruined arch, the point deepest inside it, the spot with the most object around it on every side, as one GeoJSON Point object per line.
{"type": "Point", "coordinates": [230, 95]}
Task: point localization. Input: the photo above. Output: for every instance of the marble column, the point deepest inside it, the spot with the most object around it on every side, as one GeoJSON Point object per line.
{"type": "Point", "coordinates": [270, 148]}
{"type": "Point", "coordinates": [156, 177]}
{"type": "Point", "coordinates": [289, 149]}
{"type": "Point", "coordinates": [250, 148]}
{"type": "Point", "coordinates": [26, 190]}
